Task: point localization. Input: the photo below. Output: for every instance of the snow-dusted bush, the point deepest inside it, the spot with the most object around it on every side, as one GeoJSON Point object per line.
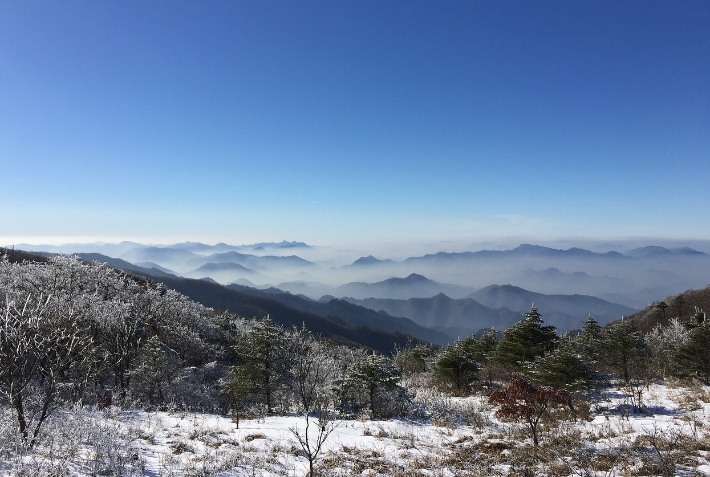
{"type": "Point", "coordinates": [372, 385]}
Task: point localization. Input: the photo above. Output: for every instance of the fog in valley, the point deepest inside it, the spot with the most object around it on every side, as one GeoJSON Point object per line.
{"type": "Point", "coordinates": [630, 272]}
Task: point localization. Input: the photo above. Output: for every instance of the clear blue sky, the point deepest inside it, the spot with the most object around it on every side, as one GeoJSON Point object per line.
{"type": "Point", "coordinates": [353, 120]}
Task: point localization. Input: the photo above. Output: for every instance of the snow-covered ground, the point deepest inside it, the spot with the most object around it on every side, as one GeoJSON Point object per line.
{"type": "Point", "coordinates": [463, 437]}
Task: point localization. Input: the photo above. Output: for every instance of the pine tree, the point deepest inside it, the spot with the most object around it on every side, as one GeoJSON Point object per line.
{"type": "Point", "coordinates": [693, 357]}
{"type": "Point", "coordinates": [264, 362]}
{"type": "Point", "coordinates": [156, 365]}
{"type": "Point", "coordinates": [562, 369]}
{"type": "Point", "coordinates": [525, 341]}
{"type": "Point", "coordinates": [413, 359]}
{"type": "Point", "coordinates": [589, 343]}
{"type": "Point", "coordinates": [625, 351]}
{"type": "Point", "coordinates": [372, 383]}
{"type": "Point", "coordinates": [484, 353]}
{"type": "Point", "coordinates": [455, 367]}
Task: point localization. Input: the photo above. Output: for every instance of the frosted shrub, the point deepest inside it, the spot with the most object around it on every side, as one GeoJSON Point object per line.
{"type": "Point", "coordinates": [9, 440]}
{"type": "Point", "coordinates": [454, 412]}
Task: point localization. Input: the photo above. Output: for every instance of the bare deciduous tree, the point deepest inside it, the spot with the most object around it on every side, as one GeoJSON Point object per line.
{"type": "Point", "coordinates": [311, 440]}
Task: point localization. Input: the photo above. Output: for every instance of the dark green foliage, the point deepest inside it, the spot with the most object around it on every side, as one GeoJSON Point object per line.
{"type": "Point", "coordinates": [413, 359]}
{"type": "Point", "coordinates": [590, 342]}
{"type": "Point", "coordinates": [525, 341]}
{"type": "Point", "coordinates": [625, 352]}
{"type": "Point", "coordinates": [485, 348]}
{"type": "Point", "coordinates": [562, 369]}
{"type": "Point", "coordinates": [372, 383]}
{"type": "Point", "coordinates": [264, 363]}
{"type": "Point", "coordinates": [155, 366]}
{"type": "Point", "coordinates": [455, 368]}
{"type": "Point", "coordinates": [484, 353]}
{"type": "Point", "coordinates": [693, 357]}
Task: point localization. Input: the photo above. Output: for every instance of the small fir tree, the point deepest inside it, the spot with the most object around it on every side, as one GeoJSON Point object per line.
{"type": "Point", "coordinates": [372, 383]}
{"type": "Point", "coordinates": [455, 368]}
{"type": "Point", "coordinates": [525, 341]}
{"type": "Point", "coordinates": [264, 367]}
{"type": "Point", "coordinates": [562, 369]}
{"type": "Point", "coordinates": [484, 353]}
{"type": "Point", "coordinates": [413, 359]}
{"type": "Point", "coordinates": [589, 343]}
{"type": "Point", "coordinates": [625, 351]}
{"type": "Point", "coordinates": [693, 357]}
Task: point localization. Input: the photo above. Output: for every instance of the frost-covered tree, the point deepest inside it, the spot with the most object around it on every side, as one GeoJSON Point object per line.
{"type": "Point", "coordinates": [693, 356]}
{"type": "Point", "coordinates": [372, 383]}
{"type": "Point", "coordinates": [664, 341]}
{"type": "Point", "coordinates": [313, 371]}
{"type": "Point", "coordinates": [46, 338]}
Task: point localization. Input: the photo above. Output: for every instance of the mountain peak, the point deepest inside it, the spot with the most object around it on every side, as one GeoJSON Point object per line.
{"type": "Point", "coordinates": [369, 260]}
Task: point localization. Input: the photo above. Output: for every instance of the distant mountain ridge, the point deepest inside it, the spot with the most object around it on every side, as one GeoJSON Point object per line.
{"type": "Point", "coordinates": [655, 250]}
{"type": "Point", "coordinates": [414, 285]}
{"type": "Point", "coordinates": [350, 314]}
{"type": "Point", "coordinates": [633, 278]}
{"type": "Point", "coordinates": [460, 317]}
{"type": "Point", "coordinates": [564, 311]}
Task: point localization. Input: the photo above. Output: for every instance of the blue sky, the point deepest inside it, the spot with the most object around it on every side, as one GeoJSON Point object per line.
{"type": "Point", "coordinates": [353, 120]}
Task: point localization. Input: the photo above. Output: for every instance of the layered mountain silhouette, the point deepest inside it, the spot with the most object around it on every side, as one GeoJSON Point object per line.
{"type": "Point", "coordinates": [250, 305]}
{"type": "Point", "coordinates": [566, 312]}
{"type": "Point", "coordinates": [414, 285]}
{"type": "Point", "coordinates": [457, 318]}
{"type": "Point", "coordinates": [370, 261]}
{"type": "Point", "coordinates": [252, 261]}
{"type": "Point", "coordinates": [350, 314]}
{"type": "Point", "coordinates": [632, 279]}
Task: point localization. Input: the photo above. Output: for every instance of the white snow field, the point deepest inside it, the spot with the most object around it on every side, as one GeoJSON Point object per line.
{"type": "Point", "coordinates": [461, 437]}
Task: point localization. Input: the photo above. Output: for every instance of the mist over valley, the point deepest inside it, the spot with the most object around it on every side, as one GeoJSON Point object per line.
{"type": "Point", "coordinates": [450, 293]}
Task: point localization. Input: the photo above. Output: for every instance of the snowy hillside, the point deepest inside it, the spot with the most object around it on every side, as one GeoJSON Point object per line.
{"type": "Point", "coordinates": [457, 437]}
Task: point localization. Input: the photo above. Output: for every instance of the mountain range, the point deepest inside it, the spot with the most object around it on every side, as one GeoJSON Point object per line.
{"type": "Point", "coordinates": [450, 292]}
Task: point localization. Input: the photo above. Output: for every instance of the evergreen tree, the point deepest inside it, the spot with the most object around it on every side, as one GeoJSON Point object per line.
{"type": "Point", "coordinates": [589, 343]}
{"type": "Point", "coordinates": [264, 361]}
{"type": "Point", "coordinates": [562, 369]}
{"type": "Point", "coordinates": [156, 365]}
{"type": "Point", "coordinates": [693, 357]}
{"type": "Point", "coordinates": [484, 353]}
{"type": "Point", "coordinates": [455, 367]}
{"type": "Point", "coordinates": [372, 383]}
{"type": "Point", "coordinates": [525, 341]}
{"type": "Point", "coordinates": [625, 351]}
{"type": "Point", "coordinates": [413, 359]}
